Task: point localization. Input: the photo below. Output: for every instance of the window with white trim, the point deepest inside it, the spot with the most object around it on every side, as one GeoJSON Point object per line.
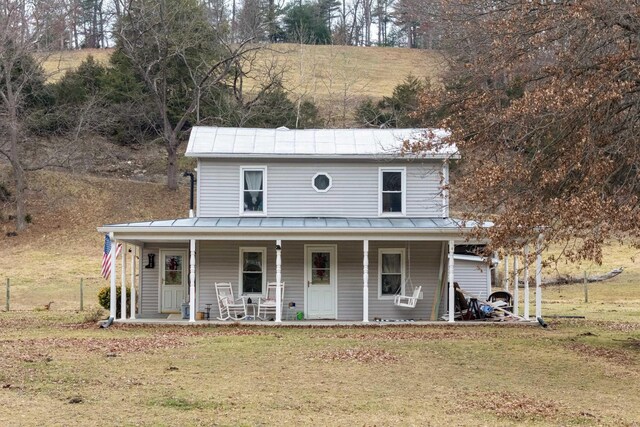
{"type": "Point", "coordinates": [392, 191]}
{"type": "Point", "coordinates": [253, 194]}
{"type": "Point", "coordinates": [390, 272]}
{"type": "Point", "coordinates": [253, 272]}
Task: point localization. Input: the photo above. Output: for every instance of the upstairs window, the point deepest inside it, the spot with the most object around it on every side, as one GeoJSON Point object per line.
{"type": "Point", "coordinates": [253, 200]}
{"type": "Point", "coordinates": [392, 191]}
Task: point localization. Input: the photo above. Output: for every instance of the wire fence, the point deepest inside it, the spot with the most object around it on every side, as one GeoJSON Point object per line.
{"type": "Point", "coordinates": [77, 295]}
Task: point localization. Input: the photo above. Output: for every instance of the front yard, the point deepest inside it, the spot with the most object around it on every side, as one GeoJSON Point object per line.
{"type": "Point", "coordinates": [56, 370]}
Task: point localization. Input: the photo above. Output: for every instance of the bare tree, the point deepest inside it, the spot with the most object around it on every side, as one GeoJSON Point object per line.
{"type": "Point", "coordinates": [543, 100]}
{"type": "Point", "coordinates": [18, 70]}
{"type": "Point", "coordinates": [177, 54]}
{"type": "Point", "coordinates": [419, 21]}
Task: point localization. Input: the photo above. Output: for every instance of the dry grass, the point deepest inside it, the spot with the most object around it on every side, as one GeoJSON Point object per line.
{"type": "Point", "coordinates": [54, 369]}
{"type": "Point", "coordinates": [45, 263]}
{"type": "Point", "coordinates": [58, 63]}
{"type": "Point", "coordinates": [334, 77]}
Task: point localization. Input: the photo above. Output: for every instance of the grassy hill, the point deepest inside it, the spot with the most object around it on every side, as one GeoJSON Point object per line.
{"type": "Point", "coordinates": [334, 77]}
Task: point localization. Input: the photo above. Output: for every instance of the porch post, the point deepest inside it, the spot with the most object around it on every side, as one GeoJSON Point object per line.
{"type": "Point", "coordinates": [123, 284]}
{"type": "Point", "coordinates": [526, 282]}
{"type": "Point", "coordinates": [506, 272]}
{"type": "Point", "coordinates": [452, 306]}
{"type": "Point", "coordinates": [113, 300]}
{"type": "Point", "coordinates": [365, 281]}
{"type": "Point", "coordinates": [192, 280]}
{"type": "Point", "coordinates": [516, 289]}
{"type": "Point", "coordinates": [539, 276]}
{"type": "Point", "coordinates": [278, 281]}
{"type": "Point", "coordinates": [133, 281]}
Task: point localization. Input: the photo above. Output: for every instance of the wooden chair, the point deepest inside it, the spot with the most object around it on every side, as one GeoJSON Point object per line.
{"type": "Point", "coordinates": [267, 305]}
{"type": "Point", "coordinates": [229, 307]}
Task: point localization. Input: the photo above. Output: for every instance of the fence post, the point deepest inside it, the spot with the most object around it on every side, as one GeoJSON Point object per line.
{"type": "Point", "coordinates": [586, 289]}
{"type": "Point", "coordinates": [81, 296]}
{"type": "Point", "coordinates": [8, 294]}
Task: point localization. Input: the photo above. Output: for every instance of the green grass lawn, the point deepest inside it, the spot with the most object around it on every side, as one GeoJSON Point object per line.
{"type": "Point", "coordinates": [56, 370]}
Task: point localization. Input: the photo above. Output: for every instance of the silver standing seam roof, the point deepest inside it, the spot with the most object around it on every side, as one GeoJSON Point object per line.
{"type": "Point", "coordinates": [220, 142]}
{"type": "Point", "coordinates": [324, 223]}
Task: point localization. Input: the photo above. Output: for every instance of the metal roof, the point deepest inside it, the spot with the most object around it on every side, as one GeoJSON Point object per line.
{"type": "Point", "coordinates": [205, 223]}
{"type": "Point", "coordinates": [220, 142]}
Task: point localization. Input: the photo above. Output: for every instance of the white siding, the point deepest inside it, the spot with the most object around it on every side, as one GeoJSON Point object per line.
{"type": "Point", "coordinates": [472, 276]}
{"type": "Point", "coordinates": [150, 278]}
{"type": "Point", "coordinates": [149, 288]}
{"type": "Point", "coordinates": [354, 190]}
{"type": "Point", "coordinates": [219, 262]}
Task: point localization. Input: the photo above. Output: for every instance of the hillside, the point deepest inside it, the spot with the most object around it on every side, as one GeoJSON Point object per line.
{"type": "Point", "coordinates": [325, 74]}
{"type": "Point", "coordinates": [45, 262]}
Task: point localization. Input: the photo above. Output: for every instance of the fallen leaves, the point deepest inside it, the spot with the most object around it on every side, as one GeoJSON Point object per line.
{"type": "Point", "coordinates": [610, 354]}
{"type": "Point", "coordinates": [360, 355]}
{"type": "Point", "coordinates": [518, 407]}
{"type": "Point", "coordinates": [110, 346]}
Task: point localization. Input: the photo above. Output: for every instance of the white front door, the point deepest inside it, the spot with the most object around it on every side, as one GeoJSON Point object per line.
{"type": "Point", "coordinates": [173, 280]}
{"type": "Point", "coordinates": [320, 282]}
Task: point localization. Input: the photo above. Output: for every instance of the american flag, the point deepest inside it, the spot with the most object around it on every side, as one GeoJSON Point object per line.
{"type": "Point", "coordinates": [106, 256]}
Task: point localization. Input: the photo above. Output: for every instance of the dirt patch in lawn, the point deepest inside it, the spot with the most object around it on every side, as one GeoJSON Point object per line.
{"type": "Point", "coordinates": [392, 335]}
{"type": "Point", "coordinates": [26, 348]}
{"type": "Point", "coordinates": [200, 331]}
{"type": "Point", "coordinates": [360, 355]}
{"type": "Point", "coordinates": [519, 407]}
{"type": "Point", "coordinates": [617, 356]}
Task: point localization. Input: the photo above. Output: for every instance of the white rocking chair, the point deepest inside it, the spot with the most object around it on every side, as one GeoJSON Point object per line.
{"type": "Point", "coordinates": [267, 305]}
{"type": "Point", "coordinates": [406, 301]}
{"type": "Point", "coordinates": [229, 307]}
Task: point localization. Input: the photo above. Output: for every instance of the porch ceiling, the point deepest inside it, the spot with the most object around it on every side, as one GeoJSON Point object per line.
{"type": "Point", "coordinates": [295, 228]}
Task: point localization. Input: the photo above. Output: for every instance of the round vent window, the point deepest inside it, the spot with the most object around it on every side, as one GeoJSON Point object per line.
{"type": "Point", "coordinates": [321, 182]}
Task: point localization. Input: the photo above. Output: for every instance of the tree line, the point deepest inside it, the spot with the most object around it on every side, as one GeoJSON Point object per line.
{"type": "Point", "coordinates": [77, 24]}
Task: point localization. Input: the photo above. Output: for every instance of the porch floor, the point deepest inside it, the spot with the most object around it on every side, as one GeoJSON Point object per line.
{"type": "Point", "coordinates": [310, 323]}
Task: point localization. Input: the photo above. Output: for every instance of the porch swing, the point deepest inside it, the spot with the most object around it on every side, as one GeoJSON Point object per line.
{"type": "Point", "coordinates": [407, 301]}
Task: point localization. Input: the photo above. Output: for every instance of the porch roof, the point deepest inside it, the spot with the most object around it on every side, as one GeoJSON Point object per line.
{"type": "Point", "coordinates": [249, 228]}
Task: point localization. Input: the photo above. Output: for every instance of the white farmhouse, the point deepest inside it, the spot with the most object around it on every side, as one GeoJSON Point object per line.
{"type": "Point", "coordinates": [348, 227]}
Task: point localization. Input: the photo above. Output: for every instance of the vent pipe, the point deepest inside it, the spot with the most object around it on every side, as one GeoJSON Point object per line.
{"type": "Point", "coordinates": [190, 175]}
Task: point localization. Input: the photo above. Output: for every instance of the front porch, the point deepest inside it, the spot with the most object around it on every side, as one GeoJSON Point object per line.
{"type": "Point", "coordinates": [333, 270]}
